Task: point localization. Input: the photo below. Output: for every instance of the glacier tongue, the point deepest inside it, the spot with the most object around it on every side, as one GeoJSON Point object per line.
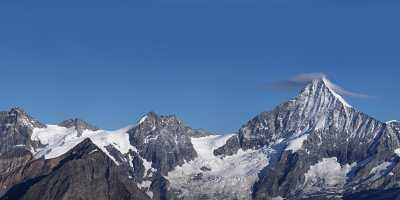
{"type": "Point", "coordinates": [230, 177]}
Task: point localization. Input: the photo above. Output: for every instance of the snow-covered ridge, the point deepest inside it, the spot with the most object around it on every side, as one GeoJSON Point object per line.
{"type": "Point", "coordinates": [59, 140]}
{"type": "Point", "coordinates": [333, 89]}
{"type": "Point", "coordinates": [142, 119]}
{"type": "Point", "coordinates": [392, 121]}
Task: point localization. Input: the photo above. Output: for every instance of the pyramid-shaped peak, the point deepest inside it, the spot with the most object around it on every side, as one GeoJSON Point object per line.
{"type": "Point", "coordinates": [320, 82]}
{"type": "Point", "coordinates": [335, 90]}
{"type": "Point", "coordinates": [322, 86]}
{"type": "Point", "coordinates": [17, 111]}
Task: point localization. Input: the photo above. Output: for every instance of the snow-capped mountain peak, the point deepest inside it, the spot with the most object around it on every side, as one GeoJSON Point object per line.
{"type": "Point", "coordinates": [323, 88]}
{"type": "Point", "coordinates": [333, 89]}
{"type": "Point", "coordinates": [17, 115]}
{"type": "Point", "coordinates": [313, 144]}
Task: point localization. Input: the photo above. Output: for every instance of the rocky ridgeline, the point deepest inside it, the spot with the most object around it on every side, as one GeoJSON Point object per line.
{"type": "Point", "coordinates": [320, 148]}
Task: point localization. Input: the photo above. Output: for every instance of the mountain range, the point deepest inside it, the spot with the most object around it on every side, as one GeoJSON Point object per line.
{"type": "Point", "coordinates": [314, 146]}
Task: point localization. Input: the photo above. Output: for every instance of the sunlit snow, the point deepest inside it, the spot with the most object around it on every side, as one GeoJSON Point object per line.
{"type": "Point", "coordinates": [230, 177]}
{"type": "Point", "coordinates": [327, 173]}
{"type": "Point", "coordinates": [397, 152]}
{"type": "Point", "coordinates": [59, 140]}
{"type": "Point", "coordinates": [332, 87]}
{"type": "Point", "coordinates": [296, 144]}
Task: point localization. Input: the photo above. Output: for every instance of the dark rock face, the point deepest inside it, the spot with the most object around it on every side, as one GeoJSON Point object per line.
{"type": "Point", "coordinates": [85, 172]}
{"type": "Point", "coordinates": [231, 147]}
{"type": "Point", "coordinates": [13, 159]}
{"type": "Point", "coordinates": [163, 140]}
{"type": "Point", "coordinates": [375, 195]}
{"type": "Point", "coordinates": [16, 128]}
{"type": "Point", "coordinates": [79, 125]}
{"type": "Point", "coordinates": [382, 154]}
{"type": "Point", "coordinates": [160, 187]}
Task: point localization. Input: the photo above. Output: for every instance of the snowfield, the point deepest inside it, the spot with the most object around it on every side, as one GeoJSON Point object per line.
{"type": "Point", "coordinates": [297, 143]}
{"type": "Point", "coordinates": [220, 177]}
{"type": "Point", "coordinates": [207, 176]}
{"type": "Point", "coordinates": [328, 174]}
{"type": "Point", "coordinates": [59, 140]}
{"type": "Point", "coordinates": [215, 177]}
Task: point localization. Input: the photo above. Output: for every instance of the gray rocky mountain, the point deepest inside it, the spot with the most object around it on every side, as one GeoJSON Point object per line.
{"type": "Point", "coordinates": [84, 172]}
{"type": "Point", "coordinates": [163, 140]}
{"type": "Point", "coordinates": [314, 146]}
{"type": "Point", "coordinates": [318, 130]}
{"type": "Point", "coordinates": [16, 128]}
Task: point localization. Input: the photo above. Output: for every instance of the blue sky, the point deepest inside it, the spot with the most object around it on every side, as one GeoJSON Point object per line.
{"type": "Point", "coordinates": [110, 62]}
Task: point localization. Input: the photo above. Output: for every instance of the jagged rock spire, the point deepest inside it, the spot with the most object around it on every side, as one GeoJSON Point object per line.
{"type": "Point", "coordinates": [164, 140]}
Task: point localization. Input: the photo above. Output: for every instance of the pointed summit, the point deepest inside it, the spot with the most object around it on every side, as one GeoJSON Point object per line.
{"type": "Point", "coordinates": [317, 107]}
{"type": "Point", "coordinates": [19, 116]}
{"type": "Point", "coordinates": [16, 128]}
{"type": "Point", "coordinates": [149, 116]}
{"type": "Point", "coordinates": [17, 110]}
{"type": "Point", "coordinates": [164, 140]}
{"type": "Point", "coordinates": [320, 90]}
{"type": "Point", "coordinates": [333, 89]}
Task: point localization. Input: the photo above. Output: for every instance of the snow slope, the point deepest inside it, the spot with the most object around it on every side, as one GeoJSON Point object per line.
{"type": "Point", "coordinates": [59, 140]}
{"type": "Point", "coordinates": [333, 88]}
{"type": "Point", "coordinates": [327, 174]}
{"type": "Point", "coordinates": [215, 177]}
{"type": "Point", "coordinates": [296, 144]}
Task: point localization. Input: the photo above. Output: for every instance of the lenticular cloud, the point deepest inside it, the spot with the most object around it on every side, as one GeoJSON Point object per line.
{"type": "Point", "coordinates": [301, 80]}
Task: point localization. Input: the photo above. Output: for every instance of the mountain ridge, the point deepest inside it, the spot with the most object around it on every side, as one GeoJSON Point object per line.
{"type": "Point", "coordinates": [314, 145]}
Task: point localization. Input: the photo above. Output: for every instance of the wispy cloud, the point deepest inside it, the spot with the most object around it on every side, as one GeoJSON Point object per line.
{"type": "Point", "coordinates": [302, 80]}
